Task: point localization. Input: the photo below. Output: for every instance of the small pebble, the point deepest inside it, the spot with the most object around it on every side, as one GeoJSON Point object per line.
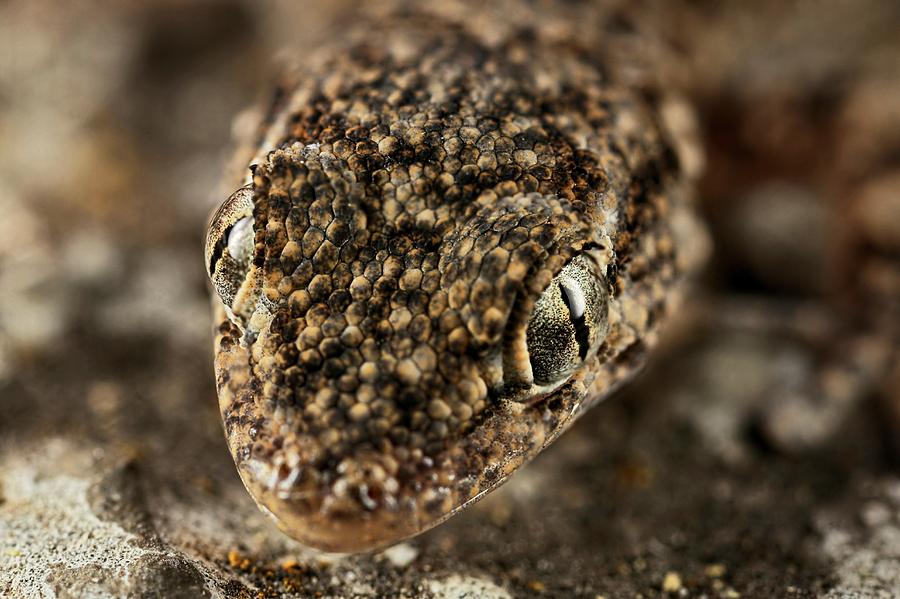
{"type": "Point", "coordinates": [671, 582]}
{"type": "Point", "coordinates": [401, 555]}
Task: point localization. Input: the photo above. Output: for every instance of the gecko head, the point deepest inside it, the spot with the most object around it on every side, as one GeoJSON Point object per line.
{"type": "Point", "coordinates": [387, 355]}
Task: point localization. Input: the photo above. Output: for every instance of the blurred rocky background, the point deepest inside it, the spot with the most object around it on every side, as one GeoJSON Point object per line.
{"type": "Point", "coordinates": [116, 122]}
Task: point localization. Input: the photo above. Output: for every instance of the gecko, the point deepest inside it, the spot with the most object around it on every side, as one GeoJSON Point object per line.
{"type": "Point", "coordinates": [457, 230]}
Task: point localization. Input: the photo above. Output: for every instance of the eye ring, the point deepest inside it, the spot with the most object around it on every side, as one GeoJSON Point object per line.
{"type": "Point", "coordinates": [229, 244]}
{"type": "Point", "coordinates": [568, 323]}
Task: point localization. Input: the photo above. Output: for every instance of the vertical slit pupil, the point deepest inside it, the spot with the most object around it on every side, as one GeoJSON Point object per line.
{"type": "Point", "coordinates": [574, 301]}
{"type": "Point", "coordinates": [218, 250]}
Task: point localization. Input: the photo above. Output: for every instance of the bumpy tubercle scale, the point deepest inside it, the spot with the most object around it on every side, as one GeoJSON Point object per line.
{"type": "Point", "coordinates": [412, 200]}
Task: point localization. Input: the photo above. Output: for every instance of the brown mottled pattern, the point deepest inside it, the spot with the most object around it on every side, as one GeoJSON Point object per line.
{"type": "Point", "coordinates": [416, 191]}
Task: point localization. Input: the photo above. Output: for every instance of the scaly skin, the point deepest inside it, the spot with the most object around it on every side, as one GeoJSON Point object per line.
{"type": "Point", "coordinates": [412, 198]}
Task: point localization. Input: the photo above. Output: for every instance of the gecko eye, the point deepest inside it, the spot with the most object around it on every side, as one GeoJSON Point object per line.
{"type": "Point", "coordinates": [568, 322]}
{"type": "Point", "coordinates": [229, 244]}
